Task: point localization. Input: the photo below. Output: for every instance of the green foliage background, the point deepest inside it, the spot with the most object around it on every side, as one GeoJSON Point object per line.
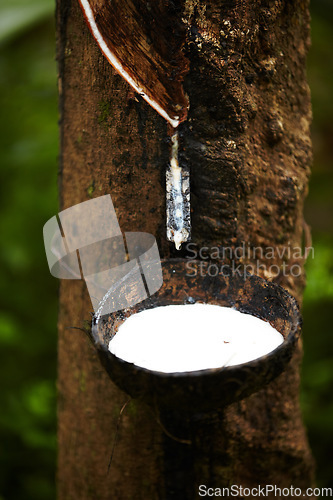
{"type": "Point", "coordinates": [28, 198]}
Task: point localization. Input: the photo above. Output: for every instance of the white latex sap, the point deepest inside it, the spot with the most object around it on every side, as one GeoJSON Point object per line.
{"type": "Point", "coordinates": [183, 338]}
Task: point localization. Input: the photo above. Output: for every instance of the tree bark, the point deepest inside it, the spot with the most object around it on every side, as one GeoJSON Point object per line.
{"type": "Point", "coordinates": [247, 143]}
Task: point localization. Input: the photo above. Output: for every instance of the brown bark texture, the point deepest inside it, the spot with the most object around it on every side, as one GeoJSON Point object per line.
{"type": "Point", "coordinates": [247, 143]}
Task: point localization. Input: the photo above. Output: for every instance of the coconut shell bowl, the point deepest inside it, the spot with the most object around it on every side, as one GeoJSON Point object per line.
{"type": "Point", "coordinates": [207, 390]}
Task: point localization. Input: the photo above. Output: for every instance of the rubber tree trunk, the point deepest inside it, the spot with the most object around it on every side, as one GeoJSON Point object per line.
{"type": "Point", "coordinates": [247, 143]}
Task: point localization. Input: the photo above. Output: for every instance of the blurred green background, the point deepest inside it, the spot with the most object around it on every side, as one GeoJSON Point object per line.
{"type": "Point", "coordinates": [28, 313]}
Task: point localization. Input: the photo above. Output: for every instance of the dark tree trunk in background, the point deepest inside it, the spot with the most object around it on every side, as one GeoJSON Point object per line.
{"type": "Point", "coordinates": [248, 145]}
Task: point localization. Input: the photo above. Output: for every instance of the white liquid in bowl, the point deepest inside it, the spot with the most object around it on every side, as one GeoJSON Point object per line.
{"type": "Point", "coordinates": [183, 338]}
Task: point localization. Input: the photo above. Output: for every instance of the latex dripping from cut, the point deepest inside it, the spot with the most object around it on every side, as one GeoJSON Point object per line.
{"type": "Point", "coordinates": [163, 90]}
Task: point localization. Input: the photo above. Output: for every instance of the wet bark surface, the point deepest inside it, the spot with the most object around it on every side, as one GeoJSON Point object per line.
{"type": "Point", "coordinates": [247, 144]}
